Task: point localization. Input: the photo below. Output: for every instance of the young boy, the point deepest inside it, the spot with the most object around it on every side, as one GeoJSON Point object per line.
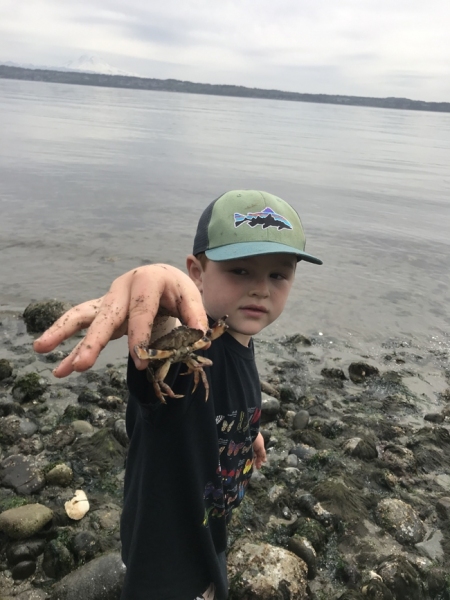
{"type": "Point", "coordinates": [190, 461]}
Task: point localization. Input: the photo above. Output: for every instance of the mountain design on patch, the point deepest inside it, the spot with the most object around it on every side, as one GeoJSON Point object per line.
{"type": "Point", "coordinates": [266, 218]}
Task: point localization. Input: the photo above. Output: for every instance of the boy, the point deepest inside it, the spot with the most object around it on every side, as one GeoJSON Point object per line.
{"type": "Point", "coordinates": [189, 461]}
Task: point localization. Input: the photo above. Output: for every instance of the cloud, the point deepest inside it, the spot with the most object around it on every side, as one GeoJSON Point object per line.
{"type": "Point", "coordinates": [374, 47]}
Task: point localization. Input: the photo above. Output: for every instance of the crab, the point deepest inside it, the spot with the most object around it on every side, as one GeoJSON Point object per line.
{"type": "Point", "coordinates": [176, 346]}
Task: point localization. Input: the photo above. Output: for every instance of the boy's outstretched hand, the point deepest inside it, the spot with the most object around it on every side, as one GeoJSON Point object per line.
{"type": "Point", "coordinates": [130, 307]}
{"type": "Point", "coordinates": [259, 451]}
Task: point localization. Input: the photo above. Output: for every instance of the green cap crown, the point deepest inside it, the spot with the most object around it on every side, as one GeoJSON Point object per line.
{"type": "Point", "coordinates": [248, 222]}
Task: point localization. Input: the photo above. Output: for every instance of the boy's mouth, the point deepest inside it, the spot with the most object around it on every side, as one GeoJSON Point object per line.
{"type": "Point", "coordinates": [254, 309]}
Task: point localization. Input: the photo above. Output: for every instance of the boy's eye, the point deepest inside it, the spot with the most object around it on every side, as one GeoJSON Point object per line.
{"type": "Point", "coordinates": [278, 276]}
{"type": "Point", "coordinates": [239, 271]}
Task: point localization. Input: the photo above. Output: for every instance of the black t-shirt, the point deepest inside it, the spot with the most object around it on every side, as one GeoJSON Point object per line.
{"type": "Point", "coordinates": [188, 466]}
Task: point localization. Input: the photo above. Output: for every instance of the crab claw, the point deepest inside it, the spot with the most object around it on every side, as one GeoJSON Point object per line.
{"type": "Point", "coordinates": [217, 329]}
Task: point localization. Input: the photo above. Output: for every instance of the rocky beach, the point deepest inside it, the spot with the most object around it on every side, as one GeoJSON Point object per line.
{"type": "Point", "coordinates": [353, 502]}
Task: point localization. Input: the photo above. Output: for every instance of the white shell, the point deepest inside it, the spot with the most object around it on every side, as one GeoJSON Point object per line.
{"type": "Point", "coordinates": [78, 506]}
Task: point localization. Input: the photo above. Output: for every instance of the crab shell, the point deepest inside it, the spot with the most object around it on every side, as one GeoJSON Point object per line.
{"type": "Point", "coordinates": [179, 345]}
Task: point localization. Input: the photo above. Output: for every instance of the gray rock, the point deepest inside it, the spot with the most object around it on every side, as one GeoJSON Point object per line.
{"type": "Point", "coordinates": [60, 438]}
{"type": "Point", "coordinates": [29, 387]}
{"type": "Point", "coordinates": [292, 461]}
{"type": "Point", "coordinates": [100, 579]}
{"type": "Point", "coordinates": [14, 428]}
{"type": "Point", "coordinates": [23, 570]}
{"type": "Point", "coordinates": [120, 432]}
{"type": "Point", "coordinates": [266, 572]}
{"type": "Point", "coordinates": [432, 547]}
{"type": "Point", "coordinates": [5, 369]}
{"type": "Point", "coordinates": [305, 550]}
{"type": "Point", "coordinates": [101, 452]}
{"type": "Point", "coordinates": [22, 550]}
{"type": "Point", "coordinates": [270, 407]}
{"type": "Point", "coordinates": [400, 520]}
{"type": "Point", "coordinates": [360, 448]}
{"type": "Point", "coordinates": [303, 451]}
{"type": "Point", "coordinates": [58, 561]}
{"type": "Point", "coordinates": [22, 474]}
{"type": "Point", "coordinates": [358, 372]}
{"type": "Point", "coordinates": [39, 316]}
{"type": "Point", "coordinates": [82, 427]}
{"type": "Point", "coordinates": [434, 417]}
{"type": "Point", "coordinates": [402, 579]}
{"type": "Point", "coordinates": [269, 389]}
{"type": "Point", "coordinates": [24, 521]}
{"type": "Point", "coordinates": [89, 396]}
{"type": "Point", "coordinates": [334, 373]}
{"type": "Point", "coordinates": [301, 419]}
{"type": "Point", "coordinates": [443, 508]}
{"type": "Point", "coordinates": [85, 545]}
{"type": "Point", "coordinates": [110, 402]}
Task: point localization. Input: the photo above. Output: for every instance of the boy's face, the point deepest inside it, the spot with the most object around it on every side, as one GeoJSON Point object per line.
{"type": "Point", "coordinates": [252, 291]}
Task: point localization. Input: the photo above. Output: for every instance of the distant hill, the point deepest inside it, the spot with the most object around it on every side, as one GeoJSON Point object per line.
{"type": "Point", "coordinates": [188, 87]}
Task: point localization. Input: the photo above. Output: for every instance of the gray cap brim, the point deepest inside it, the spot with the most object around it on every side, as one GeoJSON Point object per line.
{"type": "Point", "coordinates": [245, 249]}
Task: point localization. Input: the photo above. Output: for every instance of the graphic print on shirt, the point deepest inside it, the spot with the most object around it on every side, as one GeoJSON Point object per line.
{"type": "Point", "coordinates": [236, 432]}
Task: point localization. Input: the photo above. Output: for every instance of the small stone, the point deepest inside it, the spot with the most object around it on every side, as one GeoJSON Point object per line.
{"type": "Point", "coordinates": [266, 571]}
{"type": "Point", "coordinates": [443, 508]}
{"type": "Point", "coordinates": [432, 547]}
{"type": "Point", "coordinates": [89, 396]}
{"type": "Point", "coordinates": [360, 448]}
{"type": "Point", "coordinates": [334, 373]}
{"type": "Point", "coordinates": [292, 461]}
{"type": "Point", "coordinates": [6, 369]}
{"type": "Point", "coordinates": [110, 402]}
{"type": "Point", "coordinates": [434, 417]}
{"type": "Point", "coordinates": [292, 474]}
{"type": "Point", "coordinates": [82, 427]}
{"type": "Point", "coordinates": [358, 372]}
{"type": "Point", "coordinates": [304, 549]}
{"type": "Point", "coordinates": [270, 407]}
{"type": "Point", "coordinates": [22, 474]}
{"type": "Point", "coordinates": [301, 420]}
{"type": "Point", "coordinates": [402, 579]}
{"type": "Point", "coordinates": [29, 387]}
{"type": "Point", "coordinates": [23, 550]}
{"type": "Point", "coordinates": [14, 428]}
{"type": "Point", "coordinates": [85, 545]}
{"type": "Point", "coordinates": [24, 521]}
{"type": "Point", "coordinates": [23, 570]}
{"type": "Point", "coordinates": [58, 561]}
{"type": "Point", "coordinates": [303, 451]}
{"type": "Point", "coordinates": [60, 438]}
{"type": "Point", "coordinates": [269, 389]}
{"type": "Point", "coordinates": [101, 578]}
{"type": "Point", "coordinates": [400, 520]}
{"type": "Point", "coordinates": [120, 432]}
{"type": "Point", "coordinates": [61, 475]}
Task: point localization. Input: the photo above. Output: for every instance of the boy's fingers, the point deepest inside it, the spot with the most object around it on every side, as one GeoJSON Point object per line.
{"type": "Point", "coordinates": [171, 290]}
{"type": "Point", "coordinates": [104, 327]}
{"type": "Point", "coordinates": [73, 320]}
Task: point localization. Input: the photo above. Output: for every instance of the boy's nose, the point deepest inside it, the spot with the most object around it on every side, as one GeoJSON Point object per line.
{"type": "Point", "coordinates": [260, 288]}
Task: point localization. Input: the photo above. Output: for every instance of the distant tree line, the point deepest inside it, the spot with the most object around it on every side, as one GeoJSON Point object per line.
{"type": "Point", "coordinates": [188, 87]}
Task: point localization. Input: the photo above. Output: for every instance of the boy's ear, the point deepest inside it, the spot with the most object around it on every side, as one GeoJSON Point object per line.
{"type": "Point", "coordinates": [195, 271]}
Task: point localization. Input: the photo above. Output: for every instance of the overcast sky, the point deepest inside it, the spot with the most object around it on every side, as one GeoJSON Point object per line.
{"type": "Point", "coordinates": [358, 47]}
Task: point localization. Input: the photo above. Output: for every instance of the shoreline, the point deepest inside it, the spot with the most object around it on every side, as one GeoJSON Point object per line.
{"type": "Point", "coordinates": [355, 492]}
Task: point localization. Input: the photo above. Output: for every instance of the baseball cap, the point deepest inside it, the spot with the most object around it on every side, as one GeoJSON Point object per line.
{"type": "Point", "coordinates": [244, 223]}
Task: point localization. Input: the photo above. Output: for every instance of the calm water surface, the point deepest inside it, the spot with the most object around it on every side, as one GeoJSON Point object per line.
{"type": "Point", "coordinates": [96, 181]}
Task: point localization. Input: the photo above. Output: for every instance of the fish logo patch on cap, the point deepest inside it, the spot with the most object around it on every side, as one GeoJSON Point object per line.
{"type": "Point", "coordinates": [266, 218]}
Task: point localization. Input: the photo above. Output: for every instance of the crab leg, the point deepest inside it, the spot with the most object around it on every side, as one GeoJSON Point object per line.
{"type": "Point", "coordinates": [145, 354]}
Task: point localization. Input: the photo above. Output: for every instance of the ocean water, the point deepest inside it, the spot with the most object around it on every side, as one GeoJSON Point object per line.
{"type": "Point", "coordinates": [95, 181]}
